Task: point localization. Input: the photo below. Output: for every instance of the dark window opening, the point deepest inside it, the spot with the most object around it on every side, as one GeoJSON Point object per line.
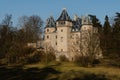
{"type": "Point", "coordinates": [84, 20]}
{"type": "Point", "coordinates": [56, 36]}
{"type": "Point", "coordinates": [61, 39]}
{"type": "Point", "coordinates": [61, 30]}
{"type": "Point", "coordinates": [47, 37]}
{"type": "Point", "coordinates": [47, 30]}
{"type": "Point", "coordinates": [62, 23]}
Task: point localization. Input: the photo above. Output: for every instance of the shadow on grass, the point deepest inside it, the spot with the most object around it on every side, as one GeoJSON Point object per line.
{"type": "Point", "coordinates": [47, 73]}
{"type": "Point", "coordinates": [26, 74]}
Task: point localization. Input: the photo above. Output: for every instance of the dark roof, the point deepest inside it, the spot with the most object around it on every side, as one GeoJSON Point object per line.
{"type": "Point", "coordinates": [50, 22]}
{"type": "Point", "coordinates": [77, 25]}
{"type": "Point", "coordinates": [64, 16]}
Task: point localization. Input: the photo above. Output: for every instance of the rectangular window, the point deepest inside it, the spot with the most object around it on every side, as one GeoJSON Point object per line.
{"type": "Point", "coordinates": [61, 39]}
{"type": "Point", "coordinates": [61, 30]}
{"type": "Point", "coordinates": [56, 36]}
{"type": "Point", "coordinates": [47, 30]}
{"type": "Point", "coordinates": [47, 37]}
{"type": "Point", "coordinates": [72, 37]}
{"type": "Point", "coordinates": [62, 23]}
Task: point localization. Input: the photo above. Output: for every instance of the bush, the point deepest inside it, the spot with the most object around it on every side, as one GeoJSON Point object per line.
{"type": "Point", "coordinates": [63, 58]}
{"type": "Point", "coordinates": [81, 60]}
{"type": "Point", "coordinates": [37, 56]}
{"type": "Point", "coordinates": [18, 54]}
{"type": "Point", "coordinates": [51, 56]}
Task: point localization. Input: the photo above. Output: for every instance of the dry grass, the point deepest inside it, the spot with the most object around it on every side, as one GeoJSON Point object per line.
{"type": "Point", "coordinates": [113, 73]}
{"type": "Point", "coordinates": [37, 65]}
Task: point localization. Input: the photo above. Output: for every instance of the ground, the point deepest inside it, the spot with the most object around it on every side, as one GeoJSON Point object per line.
{"type": "Point", "coordinates": [59, 71]}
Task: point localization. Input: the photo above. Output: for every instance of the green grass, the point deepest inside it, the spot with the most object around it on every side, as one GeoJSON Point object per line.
{"type": "Point", "coordinates": [111, 72]}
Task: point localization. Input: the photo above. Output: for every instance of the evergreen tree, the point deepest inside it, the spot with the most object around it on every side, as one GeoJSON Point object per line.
{"type": "Point", "coordinates": [116, 33]}
{"type": "Point", "coordinates": [106, 37]}
{"type": "Point", "coordinates": [106, 27]}
{"type": "Point", "coordinates": [116, 26]}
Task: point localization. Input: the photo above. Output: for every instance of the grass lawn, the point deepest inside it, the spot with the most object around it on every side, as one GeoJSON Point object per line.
{"type": "Point", "coordinates": [110, 72]}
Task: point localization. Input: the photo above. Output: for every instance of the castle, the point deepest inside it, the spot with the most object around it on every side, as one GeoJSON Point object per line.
{"type": "Point", "coordinates": [65, 35]}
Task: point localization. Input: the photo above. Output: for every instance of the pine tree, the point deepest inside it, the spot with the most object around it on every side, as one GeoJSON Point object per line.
{"type": "Point", "coordinates": [116, 26]}
{"type": "Point", "coordinates": [106, 27]}
{"type": "Point", "coordinates": [116, 34]}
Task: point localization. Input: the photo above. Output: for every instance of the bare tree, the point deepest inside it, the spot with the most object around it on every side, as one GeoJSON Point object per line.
{"type": "Point", "coordinates": [32, 26]}
{"type": "Point", "coordinates": [7, 20]}
{"type": "Point", "coordinates": [86, 48]}
{"type": "Point", "coordinates": [6, 35]}
{"type": "Point", "coordinates": [49, 52]}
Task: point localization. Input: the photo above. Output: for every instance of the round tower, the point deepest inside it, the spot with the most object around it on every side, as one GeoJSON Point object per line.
{"type": "Point", "coordinates": [63, 24]}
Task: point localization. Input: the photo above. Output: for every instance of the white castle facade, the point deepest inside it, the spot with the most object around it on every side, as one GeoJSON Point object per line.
{"type": "Point", "coordinates": [69, 37]}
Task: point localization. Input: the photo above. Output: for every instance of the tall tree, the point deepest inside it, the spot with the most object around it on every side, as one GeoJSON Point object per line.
{"type": "Point", "coordinates": [32, 26]}
{"type": "Point", "coordinates": [7, 20]}
{"type": "Point", "coordinates": [116, 34]}
{"type": "Point", "coordinates": [106, 27]}
{"type": "Point", "coordinates": [6, 35]}
{"type": "Point", "coordinates": [106, 40]}
{"type": "Point", "coordinates": [86, 48]}
{"type": "Point", "coordinates": [116, 26]}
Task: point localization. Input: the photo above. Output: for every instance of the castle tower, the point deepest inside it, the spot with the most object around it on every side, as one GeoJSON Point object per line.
{"type": "Point", "coordinates": [86, 23]}
{"type": "Point", "coordinates": [63, 24]}
{"type": "Point", "coordinates": [49, 33]}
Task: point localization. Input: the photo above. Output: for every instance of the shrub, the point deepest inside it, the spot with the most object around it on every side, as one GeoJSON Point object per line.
{"type": "Point", "coordinates": [51, 56]}
{"type": "Point", "coordinates": [37, 56]}
{"type": "Point", "coordinates": [82, 60]}
{"type": "Point", "coordinates": [63, 58]}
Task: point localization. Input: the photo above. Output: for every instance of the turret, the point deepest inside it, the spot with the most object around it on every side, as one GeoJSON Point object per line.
{"type": "Point", "coordinates": [86, 20]}
{"type": "Point", "coordinates": [50, 25]}
{"type": "Point", "coordinates": [64, 19]}
{"type": "Point", "coordinates": [86, 23]}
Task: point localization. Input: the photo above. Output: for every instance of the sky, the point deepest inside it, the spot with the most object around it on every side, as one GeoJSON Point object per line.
{"type": "Point", "coordinates": [46, 8]}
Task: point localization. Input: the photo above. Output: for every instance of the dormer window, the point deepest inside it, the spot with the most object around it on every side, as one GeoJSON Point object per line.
{"type": "Point", "coordinates": [61, 23]}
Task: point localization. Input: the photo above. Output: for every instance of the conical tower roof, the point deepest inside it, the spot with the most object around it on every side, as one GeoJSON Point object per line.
{"type": "Point", "coordinates": [50, 22]}
{"type": "Point", "coordinates": [64, 16]}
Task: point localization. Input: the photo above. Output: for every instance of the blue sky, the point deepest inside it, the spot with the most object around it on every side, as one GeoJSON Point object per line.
{"type": "Point", "coordinates": [45, 8]}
